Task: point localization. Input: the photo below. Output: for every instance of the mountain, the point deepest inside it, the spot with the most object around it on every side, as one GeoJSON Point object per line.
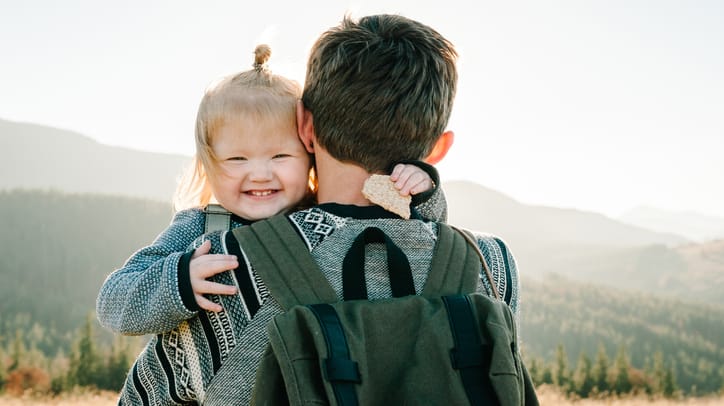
{"type": "Point", "coordinates": [590, 247]}
{"type": "Point", "coordinates": [694, 226]}
{"type": "Point", "coordinates": [55, 251]}
{"type": "Point", "coordinates": [39, 157]}
{"type": "Point", "coordinates": [483, 209]}
{"type": "Point", "coordinates": [582, 245]}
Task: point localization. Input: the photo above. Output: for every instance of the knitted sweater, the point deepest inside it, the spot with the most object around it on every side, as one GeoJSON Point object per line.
{"type": "Point", "coordinates": [177, 366]}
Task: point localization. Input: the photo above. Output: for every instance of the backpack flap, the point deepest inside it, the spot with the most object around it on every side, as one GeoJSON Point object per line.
{"type": "Point", "coordinates": [397, 352]}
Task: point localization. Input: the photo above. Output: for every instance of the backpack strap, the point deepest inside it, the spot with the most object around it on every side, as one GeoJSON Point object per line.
{"type": "Point", "coordinates": [473, 243]}
{"type": "Point", "coordinates": [217, 218]}
{"type": "Point", "coordinates": [455, 266]}
{"type": "Point", "coordinates": [472, 353]}
{"type": "Point", "coordinates": [283, 261]}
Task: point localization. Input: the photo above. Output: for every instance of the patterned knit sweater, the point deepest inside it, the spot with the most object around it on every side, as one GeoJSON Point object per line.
{"type": "Point", "coordinates": [177, 366]}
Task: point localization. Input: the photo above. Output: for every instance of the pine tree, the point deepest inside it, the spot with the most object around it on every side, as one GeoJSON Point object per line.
{"type": "Point", "coordinates": [668, 385]}
{"type": "Point", "coordinates": [117, 366]}
{"type": "Point", "coordinates": [85, 361]}
{"type": "Point", "coordinates": [658, 373]}
{"type": "Point", "coordinates": [3, 372]}
{"type": "Point", "coordinates": [622, 383]}
{"type": "Point", "coordinates": [18, 352]}
{"type": "Point", "coordinates": [561, 375]}
{"type": "Point", "coordinates": [546, 375]}
{"type": "Point", "coordinates": [600, 370]}
{"type": "Point", "coordinates": [583, 378]}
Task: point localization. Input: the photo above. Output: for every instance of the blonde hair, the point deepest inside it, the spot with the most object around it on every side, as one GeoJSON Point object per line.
{"type": "Point", "coordinates": [254, 94]}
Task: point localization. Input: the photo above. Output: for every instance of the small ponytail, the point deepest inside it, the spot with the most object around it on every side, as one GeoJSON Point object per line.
{"type": "Point", "coordinates": [262, 53]}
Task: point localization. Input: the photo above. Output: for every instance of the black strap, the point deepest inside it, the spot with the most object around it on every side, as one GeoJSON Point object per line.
{"type": "Point", "coordinates": [341, 372]}
{"type": "Point", "coordinates": [353, 267]}
{"type": "Point", "coordinates": [470, 356]}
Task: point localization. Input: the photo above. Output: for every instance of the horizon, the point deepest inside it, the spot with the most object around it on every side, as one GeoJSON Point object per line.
{"type": "Point", "coordinates": [595, 107]}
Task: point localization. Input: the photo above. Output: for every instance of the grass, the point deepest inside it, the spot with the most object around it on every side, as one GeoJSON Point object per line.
{"type": "Point", "coordinates": [547, 396]}
{"type": "Point", "coordinates": [550, 396]}
{"type": "Point", "coordinates": [84, 398]}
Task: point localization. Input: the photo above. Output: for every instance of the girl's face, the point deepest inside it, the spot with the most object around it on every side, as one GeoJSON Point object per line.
{"type": "Point", "coordinates": [262, 168]}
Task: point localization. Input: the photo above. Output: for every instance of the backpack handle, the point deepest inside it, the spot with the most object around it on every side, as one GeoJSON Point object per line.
{"type": "Point", "coordinates": [354, 286]}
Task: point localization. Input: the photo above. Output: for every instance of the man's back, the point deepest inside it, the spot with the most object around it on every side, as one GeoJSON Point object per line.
{"type": "Point", "coordinates": [329, 231]}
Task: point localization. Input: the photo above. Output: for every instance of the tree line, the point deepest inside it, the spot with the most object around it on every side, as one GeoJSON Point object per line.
{"type": "Point", "coordinates": [56, 249]}
{"type": "Point", "coordinates": [558, 313]}
{"type": "Point", "coordinates": [601, 376]}
{"type": "Point", "coordinates": [91, 364]}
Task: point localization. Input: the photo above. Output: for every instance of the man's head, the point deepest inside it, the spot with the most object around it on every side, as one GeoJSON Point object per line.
{"type": "Point", "coordinates": [380, 90]}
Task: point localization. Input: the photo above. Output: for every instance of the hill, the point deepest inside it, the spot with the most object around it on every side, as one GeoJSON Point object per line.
{"type": "Point", "coordinates": [583, 245]}
{"type": "Point", "coordinates": [39, 157]}
{"type": "Point", "coordinates": [480, 208]}
{"type": "Point", "coordinates": [582, 316]}
{"type": "Point", "coordinates": [695, 226]}
{"type": "Point", "coordinates": [55, 252]}
{"type": "Point", "coordinates": [590, 247]}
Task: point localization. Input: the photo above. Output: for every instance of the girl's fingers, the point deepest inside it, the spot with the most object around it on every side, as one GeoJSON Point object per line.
{"type": "Point", "coordinates": [213, 288]}
{"type": "Point", "coordinates": [203, 249]}
{"type": "Point", "coordinates": [207, 304]}
{"type": "Point", "coordinates": [396, 172]}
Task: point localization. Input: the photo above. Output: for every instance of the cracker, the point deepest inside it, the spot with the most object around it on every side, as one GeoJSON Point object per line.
{"type": "Point", "coordinates": [380, 190]}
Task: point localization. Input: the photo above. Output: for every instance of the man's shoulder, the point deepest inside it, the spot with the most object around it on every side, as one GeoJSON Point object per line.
{"type": "Point", "coordinates": [316, 224]}
{"type": "Point", "coordinates": [487, 241]}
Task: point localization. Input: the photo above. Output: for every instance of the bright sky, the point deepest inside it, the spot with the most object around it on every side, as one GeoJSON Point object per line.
{"type": "Point", "coordinates": [596, 105]}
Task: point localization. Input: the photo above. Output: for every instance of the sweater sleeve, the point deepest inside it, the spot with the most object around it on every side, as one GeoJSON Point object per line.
{"type": "Point", "coordinates": [145, 296]}
{"type": "Point", "coordinates": [503, 268]}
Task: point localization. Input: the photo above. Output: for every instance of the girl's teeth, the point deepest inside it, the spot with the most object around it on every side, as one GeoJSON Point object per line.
{"type": "Point", "coordinates": [261, 193]}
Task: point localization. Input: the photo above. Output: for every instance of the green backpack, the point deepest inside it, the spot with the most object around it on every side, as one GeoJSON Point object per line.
{"type": "Point", "coordinates": [446, 346]}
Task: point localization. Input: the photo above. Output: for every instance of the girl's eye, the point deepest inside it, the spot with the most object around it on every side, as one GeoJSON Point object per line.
{"type": "Point", "coordinates": [281, 156]}
{"type": "Point", "coordinates": [236, 158]}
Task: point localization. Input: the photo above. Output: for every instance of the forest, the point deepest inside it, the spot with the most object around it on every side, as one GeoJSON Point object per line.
{"type": "Point", "coordinates": [56, 249]}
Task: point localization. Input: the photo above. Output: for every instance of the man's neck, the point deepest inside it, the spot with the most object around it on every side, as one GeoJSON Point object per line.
{"type": "Point", "coordinates": [339, 182]}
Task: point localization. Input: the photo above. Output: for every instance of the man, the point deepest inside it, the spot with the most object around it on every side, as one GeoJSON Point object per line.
{"type": "Point", "coordinates": [376, 92]}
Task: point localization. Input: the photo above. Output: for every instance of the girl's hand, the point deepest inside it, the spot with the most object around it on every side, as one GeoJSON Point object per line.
{"type": "Point", "coordinates": [410, 180]}
{"type": "Point", "coordinates": [203, 266]}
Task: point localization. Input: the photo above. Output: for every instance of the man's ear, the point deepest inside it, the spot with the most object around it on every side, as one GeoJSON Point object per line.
{"type": "Point", "coordinates": [305, 127]}
{"type": "Point", "coordinates": [442, 146]}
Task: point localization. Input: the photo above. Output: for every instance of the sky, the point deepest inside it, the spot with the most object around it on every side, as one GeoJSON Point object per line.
{"type": "Point", "coordinates": [594, 105]}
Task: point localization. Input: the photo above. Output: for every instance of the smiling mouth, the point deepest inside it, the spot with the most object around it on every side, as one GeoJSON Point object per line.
{"type": "Point", "coordinates": [260, 193]}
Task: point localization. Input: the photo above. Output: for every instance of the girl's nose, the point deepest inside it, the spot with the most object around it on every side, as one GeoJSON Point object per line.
{"type": "Point", "coordinates": [260, 171]}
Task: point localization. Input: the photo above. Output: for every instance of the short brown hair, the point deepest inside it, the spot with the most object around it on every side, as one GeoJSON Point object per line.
{"type": "Point", "coordinates": [380, 90]}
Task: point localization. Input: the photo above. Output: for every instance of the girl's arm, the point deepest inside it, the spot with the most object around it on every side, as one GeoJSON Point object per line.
{"type": "Point", "coordinates": [149, 294]}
